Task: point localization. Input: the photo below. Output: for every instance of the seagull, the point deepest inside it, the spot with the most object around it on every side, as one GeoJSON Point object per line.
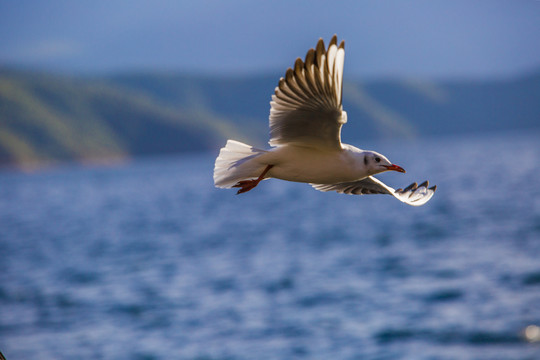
{"type": "Point", "coordinates": [306, 116]}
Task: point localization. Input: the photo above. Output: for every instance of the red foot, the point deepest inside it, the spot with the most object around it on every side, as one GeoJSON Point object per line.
{"type": "Point", "coordinates": [246, 185]}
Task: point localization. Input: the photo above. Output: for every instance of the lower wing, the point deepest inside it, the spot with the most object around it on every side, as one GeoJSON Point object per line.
{"type": "Point", "coordinates": [414, 194]}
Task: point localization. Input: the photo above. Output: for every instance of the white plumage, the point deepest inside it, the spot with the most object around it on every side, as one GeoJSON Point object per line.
{"type": "Point", "coordinates": [306, 117]}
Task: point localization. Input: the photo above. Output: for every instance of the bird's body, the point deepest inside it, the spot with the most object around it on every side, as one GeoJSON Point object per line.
{"type": "Point", "coordinates": [314, 165]}
{"type": "Point", "coordinates": [306, 117]}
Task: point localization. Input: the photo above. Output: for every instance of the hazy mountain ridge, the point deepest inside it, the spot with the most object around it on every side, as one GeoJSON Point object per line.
{"type": "Point", "coordinates": [48, 118]}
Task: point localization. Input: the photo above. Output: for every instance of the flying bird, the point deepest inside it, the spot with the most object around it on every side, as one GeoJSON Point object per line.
{"type": "Point", "coordinates": [306, 117]}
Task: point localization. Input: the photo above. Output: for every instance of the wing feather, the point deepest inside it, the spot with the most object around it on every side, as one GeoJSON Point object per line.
{"type": "Point", "coordinates": [338, 71]}
{"type": "Point", "coordinates": [300, 78]}
{"type": "Point", "coordinates": [306, 107]}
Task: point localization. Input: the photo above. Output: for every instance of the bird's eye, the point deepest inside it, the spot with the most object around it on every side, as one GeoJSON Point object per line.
{"type": "Point", "coordinates": [378, 159]}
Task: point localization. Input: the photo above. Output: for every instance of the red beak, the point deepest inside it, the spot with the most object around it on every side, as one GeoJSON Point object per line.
{"type": "Point", "coordinates": [394, 168]}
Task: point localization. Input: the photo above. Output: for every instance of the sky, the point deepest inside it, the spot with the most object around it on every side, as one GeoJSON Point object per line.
{"type": "Point", "coordinates": [416, 38]}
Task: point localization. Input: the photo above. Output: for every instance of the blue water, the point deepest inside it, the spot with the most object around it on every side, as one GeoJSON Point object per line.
{"type": "Point", "coordinates": [148, 261]}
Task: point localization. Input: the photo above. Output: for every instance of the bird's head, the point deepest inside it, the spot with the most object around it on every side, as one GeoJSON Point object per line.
{"type": "Point", "coordinates": [377, 163]}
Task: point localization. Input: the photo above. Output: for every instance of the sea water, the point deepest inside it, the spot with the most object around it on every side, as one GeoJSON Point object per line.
{"type": "Point", "coordinates": [147, 260]}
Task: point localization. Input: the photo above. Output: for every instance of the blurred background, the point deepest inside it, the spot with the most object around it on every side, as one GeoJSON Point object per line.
{"type": "Point", "coordinates": [115, 244]}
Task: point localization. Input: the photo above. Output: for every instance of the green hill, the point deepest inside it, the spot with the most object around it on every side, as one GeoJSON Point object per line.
{"type": "Point", "coordinates": [49, 118]}
{"type": "Point", "coordinates": [46, 118]}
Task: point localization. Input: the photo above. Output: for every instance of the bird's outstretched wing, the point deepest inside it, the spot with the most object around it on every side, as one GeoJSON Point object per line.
{"type": "Point", "coordinates": [413, 194]}
{"type": "Point", "coordinates": [306, 108]}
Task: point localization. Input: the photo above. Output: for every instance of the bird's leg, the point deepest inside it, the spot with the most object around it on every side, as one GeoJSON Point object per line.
{"type": "Point", "coordinates": [246, 185]}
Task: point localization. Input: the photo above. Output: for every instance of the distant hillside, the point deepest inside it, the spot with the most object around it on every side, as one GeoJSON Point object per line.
{"type": "Point", "coordinates": [49, 118]}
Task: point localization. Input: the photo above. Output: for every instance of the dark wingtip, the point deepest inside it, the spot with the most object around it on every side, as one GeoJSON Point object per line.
{"type": "Point", "coordinates": [310, 56]}
{"type": "Point", "coordinates": [333, 41]}
{"type": "Point", "coordinates": [289, 74]}
{"type": "Point", "coordinates": [434, 187]}
{"type": "Point", "coordinates": [413, 186]}
{"type": "Point", "coordinates": [424, 184]}
{"type": "Point", "coordinates": [320, 45]}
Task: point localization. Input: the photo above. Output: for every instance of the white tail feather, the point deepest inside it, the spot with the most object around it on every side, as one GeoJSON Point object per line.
{"type": "Point", "coordinates": [234, 164]}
